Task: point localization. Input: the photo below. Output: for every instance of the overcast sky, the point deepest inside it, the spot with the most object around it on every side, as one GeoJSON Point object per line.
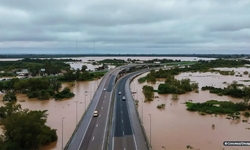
{"type": "Point", "coordinates": [125, 26]}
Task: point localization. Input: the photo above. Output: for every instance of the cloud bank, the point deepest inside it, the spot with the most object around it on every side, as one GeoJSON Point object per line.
{"type": "Point", "coordinates": [115, 26]}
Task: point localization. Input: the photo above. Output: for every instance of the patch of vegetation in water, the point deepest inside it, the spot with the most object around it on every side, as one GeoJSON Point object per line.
{"type": "Point", "coordinates": [245, 80]}
{"type": "Point", "coordinates": [142, 79]}
{"type": "Point", "coordinates": [148, 92]}
{"type": "Point", "coordinates": [217, 107]}
{"type": "Point", "coordinates": [161, 106]}
{"type": "Point", "coordinates": [234, 89]}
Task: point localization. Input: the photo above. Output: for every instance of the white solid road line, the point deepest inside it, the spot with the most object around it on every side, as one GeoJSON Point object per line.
{"type": "Point", "coordinates": [122, 121]}
{"type": "Point", "coordinates": [123, 132]}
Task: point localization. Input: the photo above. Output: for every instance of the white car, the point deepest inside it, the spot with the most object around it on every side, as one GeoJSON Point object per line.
{"type": "Point", "coordinates": [104, 89]}
{"type": "Point", "coordinates": [123, 98]}
{"type": "Point", "coordinates": [119, 92]}
{"type": "Point", "coordinates": [95, 114]}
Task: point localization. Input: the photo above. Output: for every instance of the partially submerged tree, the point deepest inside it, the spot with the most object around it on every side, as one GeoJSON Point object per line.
{"type": "Point", "coordinates": [24, 129]}
{"type": "Point", "coordinates": [9, 97]}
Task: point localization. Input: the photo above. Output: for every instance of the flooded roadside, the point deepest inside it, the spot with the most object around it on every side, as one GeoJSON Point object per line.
{"type": "Point", "coordinates": [175, 128]}
{"type": "Point", "coordinates": [71, 109]}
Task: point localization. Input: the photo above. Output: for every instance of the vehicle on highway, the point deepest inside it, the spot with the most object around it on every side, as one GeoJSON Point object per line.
{"type": "Point", "coordinates": [119, 92]}
{"type": "Point", "coordinates": [123, 98]}
{"type": "Point", "coordinates": [104, 89]}
{"type": "Point", "coordinates": [95, 114]}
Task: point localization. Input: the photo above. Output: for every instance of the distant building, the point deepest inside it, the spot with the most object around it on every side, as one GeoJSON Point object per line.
{"type": "Point", "coordinates": [23, 72]}
{"type": "Point", "coordinates": [139, 61]}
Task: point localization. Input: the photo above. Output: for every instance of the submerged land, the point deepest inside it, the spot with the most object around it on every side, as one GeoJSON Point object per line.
{"type": "Point", "coordinates": [57, 73]}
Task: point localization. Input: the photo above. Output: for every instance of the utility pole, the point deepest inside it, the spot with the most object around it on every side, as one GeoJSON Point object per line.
{"type": "Point", "coordinates": [62, 132]}
{"type": "Point", "coordinates": [76, 112]}
{"type": "Point", "coordinates": [150, 130]}
{"type": "Point", "coordinates": [142, 110]}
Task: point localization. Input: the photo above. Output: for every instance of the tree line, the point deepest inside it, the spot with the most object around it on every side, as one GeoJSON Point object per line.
{"type": "Point", "coordinates": [81, 75]}
{"type": "Point", "coordinates": [34, 66]}
{"type": "Point", "coordinates": [41, 88]}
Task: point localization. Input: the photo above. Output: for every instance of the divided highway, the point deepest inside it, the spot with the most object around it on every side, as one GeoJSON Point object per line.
{"type": "Point", "coordinates": [92, 131]}
{"type": "Point", "coordinates": [125, 132]}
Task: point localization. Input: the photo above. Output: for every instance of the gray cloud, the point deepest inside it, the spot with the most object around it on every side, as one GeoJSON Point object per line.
{"type": "Point", "coordinates": [161, 26]}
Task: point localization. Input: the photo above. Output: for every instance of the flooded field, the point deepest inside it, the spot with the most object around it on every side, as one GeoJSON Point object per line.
{"type": "Point", "coordinates": [86, 60]}
{"type": "Point", "coordinates": [71, 109]}
{"type": "Point", "coordinates": [175, 128]}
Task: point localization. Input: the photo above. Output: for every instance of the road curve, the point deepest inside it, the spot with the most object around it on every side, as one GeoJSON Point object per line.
{"type": "Point", "coordinates": [91, 132]}
{"type": "Point", "coordinates": [127, 133]}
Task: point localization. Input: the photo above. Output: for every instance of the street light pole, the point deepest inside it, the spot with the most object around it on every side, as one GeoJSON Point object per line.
{"type": "Point", "coordinates": [150, 130]}
{"type": "Point", "coordinates": [142, 110]}
{"type": "Point", "coordinates": [62, 132]}
{"type": "Point", "coordinates": [85, 99]}
{"type": "Point", "coordinates": [136, 94]}
{"type": "Point", "coordinates": [76, 112]}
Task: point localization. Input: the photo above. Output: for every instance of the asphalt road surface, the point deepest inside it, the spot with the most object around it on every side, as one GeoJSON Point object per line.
{"type": "Point", "coordinates": [92, 131]}
{"type": "Point", "coordinates": [127, 133]}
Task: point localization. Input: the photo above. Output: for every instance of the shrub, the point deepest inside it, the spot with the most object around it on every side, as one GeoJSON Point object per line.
{"type": "Point", "coordinates": [161, 106]}
{"type": "Point", "coordinates": [246, 114]}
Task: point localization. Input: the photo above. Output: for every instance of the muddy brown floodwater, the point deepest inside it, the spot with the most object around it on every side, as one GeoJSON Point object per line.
{"type": "Point", "coordinates": [175, 128]}
{"type": "Point", "coordinates": [65, 108]}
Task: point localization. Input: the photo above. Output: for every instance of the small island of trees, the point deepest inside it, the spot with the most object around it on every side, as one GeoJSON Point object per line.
{"type": "Point", "coordinates": [171, 85]}
{"type": "Point", "coordinates": [220, 107]}
{"type": "Point", "coordinates": [234, 89]}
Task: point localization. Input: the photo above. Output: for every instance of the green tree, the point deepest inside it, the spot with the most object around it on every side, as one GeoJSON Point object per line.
{"type": "Point", "coordinates": [25, 129]}
{"type": "Point", "coordinates": [10, 97]}
{"type": "Point", "coordinates": [9, 109]}
{"type": "Point", "coordinates": [148, 92]}
{"type": "Point", "coordinates": [84, 76]}
{"type": "Point", "coordinates": [65, 93]}
{"type": "Point", "coordinates": [55, 84]}
{"type": "Point", "coordinates": [78, 73]}
{"type": "Point", "coordinates": [84, 67]}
